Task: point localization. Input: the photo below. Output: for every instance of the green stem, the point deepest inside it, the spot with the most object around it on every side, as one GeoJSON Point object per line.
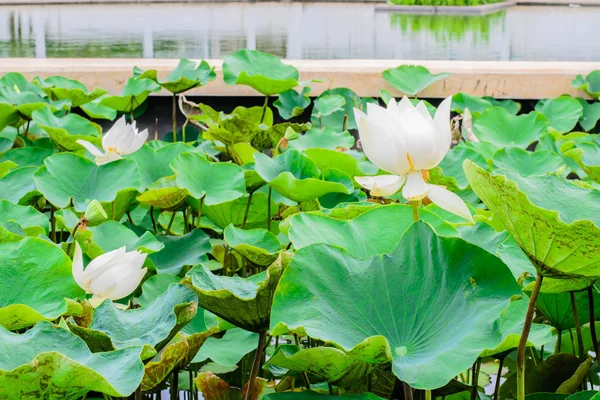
{"type": "Point", "coordinates": [498, 376]}
{"type": "Point", "coordinates": [590, 291]}
{"type": "Point", "coordinates": [27, 128]}
{"type": "Point", "coordinates": [577, 327]}
{"type": "Point", "coordinates": [256, 364]}
{"type": "Point", "coordinates": [171, 223]}
{"type": "Point", "coordinates": [558, 342]}
{"type": "Point", "coordinates": [71, 245]}
{"type": "Point", "coordinates": [174, 117]}
{"type": "Point", "coordinates": [269, 209]}
{"type": "Point", "coordinates": [153, 220]}
{"type": "Point", "coordinates": [191, 377]}
{"type": "Point", "coordinates": [304, 374]}
{"type": "Point", "coordinates": [199, 212]}
{"type": "Point", "coordinates": [428, 395]}
{"type": "Point", "coordinates": [415, 210]}
{"type": "Point", "coordinates": [174, 385]}
{"type": "Point", "coordinates": [183, 130]}
{"type": "Point", "coordinates": [475, 380]}
{"type": "Point", "coordinates": [408, 392]}
{"type": "Point", "coordinates": [129, 218]}
{"type": "Point", "coordinates": [247, 210]}
{"type": "Point", "coordinates": [264, 109]}
{"type": "Point", "coordinates": [524, 336]}
{"type": "Point", "coordinates": [52, 224]}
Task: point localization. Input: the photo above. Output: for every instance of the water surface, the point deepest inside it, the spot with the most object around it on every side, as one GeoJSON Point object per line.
{"type": "Point", "coordinates": [297, 31]}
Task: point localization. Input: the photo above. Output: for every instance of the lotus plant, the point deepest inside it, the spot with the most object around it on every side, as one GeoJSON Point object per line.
{"type": "Point", "coordinates": [406, 142]}
{"type": "Point", "coordinates": [121, 139]}
{"type": "Point", "coordinates": [112, 275]}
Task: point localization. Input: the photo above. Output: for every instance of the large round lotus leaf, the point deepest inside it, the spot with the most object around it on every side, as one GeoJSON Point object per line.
{"type": "Point", "coordinates": [111, 235]}
{"type": "Point", "coordinates": [310, 395]}
{"type": "Point", "coordinates": [511, 325]}
{"type": "Point", "coordinates": [528, 163]}
{"type": "Point", "coordinates": [30, 219]}
{"type": "Point", "coordinates": [452, 174]}
{"type": "Point", "coordinates": [135, 92]}
{"type": "Point", "coordinates": [475, 104]}
{"type": "Point", "coordinates": [499, 127]}
{"type": "Point", "coordinates": [259, 246]}
{"type": "Point", "coordinates": [331, 364]}
{"type": "Point", "coordinates": [67, 130]}
{"type": "Point", "coordinates": [296, 176]}
{"type": "Point", "coordinates": [261, 71]}
{"type": "Point", "coordinates": [563, 112]}
{"type": "Point", "coordinates": [343, 119]}
{"type": "Point", "coordinates": [17, 80]}
{"type": "Point", "coordinates": [412, 79]}
{"type": "Point", "coordinates": [216, 183]}
{"type": "Point", "coordinates": [325, 138]}
{"type": "Point", "coordinates": [164, 194]}
{"type": "Point", "coordinates": [94, 110]}
{"type": "Point", "coordinates": [27, 156]}
{"type": "Point", "coordinates": [233, 212]}
{"type": "Point", "coordinates": [590, 84]}
{"type": "Point", "coordinates": [356, 235]}
{"type": "Point", "coordinates": [153, 162]}
{"type": "Point", "coordinates": [52, 363]}
{"type": "Point", "coordinates": [328, 104]}
{"type": "Point", "coordinates": [586, 155]}
{"type": "Point", "coordinates": [544, 216]}
{"type": "Point", "coordinates": [591, 114]}
{"type": "Point", "coordinates": [18, 186]}
{"type": "Point", "coordinates": [345, 162]}
{"type": "Point", "coordinates": [187, 75]}
{"type": "Point", "coordinates": [244, 302]}
{"type": "Point", "coordinates": [229, 349]}
{"type": "Point", "coordinates": [292, 104]}
{"type": "Point", "coordinates": [67, 177]}
{"type": "Point", "coordinates": [36, 283]}
{"type": "Point", "coordinates": [60, 88]}
{"type": "Point", "coordinates": [557, 308]}
{"type": "Point", "coordinates": [117, 328]}
{"type": "Point", "coordinates": [179, 251]}
{"type": "Point", "coordinates": [430, 305]}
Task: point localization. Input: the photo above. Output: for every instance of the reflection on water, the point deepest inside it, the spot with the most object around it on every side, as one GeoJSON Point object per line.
{"type": "Point", "coordinates": [296, 31]}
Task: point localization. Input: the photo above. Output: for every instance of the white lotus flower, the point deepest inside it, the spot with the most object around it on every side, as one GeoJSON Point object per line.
{"type": "Point", "coordinates": [121, 139]}
{"type": "Point", "coordinates": [405, 141]}
{"type": "Point", "coordinates": [112, 275]}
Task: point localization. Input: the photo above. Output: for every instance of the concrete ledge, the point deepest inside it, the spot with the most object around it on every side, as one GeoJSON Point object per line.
{"type": "Point", "coordinates": [462, 10]}
{"type": "Point", "coordinates": [499, 79]}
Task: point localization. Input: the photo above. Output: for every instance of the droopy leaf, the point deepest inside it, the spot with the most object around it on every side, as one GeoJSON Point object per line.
{"type": "Point", "coordinates": [259, 246]}
{"type": "Point", "coordinates": [61, 88]}
{"type": "Point", "coordinates": [135, 92]}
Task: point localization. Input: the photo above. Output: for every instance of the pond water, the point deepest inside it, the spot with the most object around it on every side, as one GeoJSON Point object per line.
{"type": "Point", "coordinates": [297, 31]}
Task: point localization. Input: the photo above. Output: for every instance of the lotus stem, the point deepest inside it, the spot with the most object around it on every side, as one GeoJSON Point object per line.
{"type": "Point", "coordinates": [415, 210]}
{"type": "Point", "coordinates": [304, 374]}
{"type": "Point", "coordinates": [590, 291]}
{"type": "Point", "coordinates": [191, 377]}
{"type": "Point", "coordinates": [27, 128]}
{"type": "Point", "coordinates": [524, 335]}
{"type": "Point", "coordinates": [200, 212]}
{"type": "Point", "coordinates": [174, 117]}
{"type": "Point", "coordinates": [156, 129]}
{"type": "Point", "coordinates": [138, 393]}
{"type": "Point", "coordinates": [269, 209]}
{"type": "Point", "coordinates": [475, 380]}
{"type": "Point", "coordinates": [183, 130]}
{"type": "Point", "coordinates": [558, 342]}
{"type": "Point", "coordinates": [542, 354]}
{"type": "Point", "coordinates": [264, 109]}
{"type": "Point", "coordinates": [572, 340]}
{"type": "Point", "coordinates": [408, 392]}
{"type": "Point", "coordinates": [428, 395]}
{"type": "Point", "coordinates": [345, 123]}
{"type": "Point", "coordinates": [256, 364]}
{"type": "Point", "coordinates": [330, 386]}
{"type": "Point", "coordinates": [247, 210]}
{"type": "Point", "coordinates": [498, 376]}
{"type": "Point", "coordinates": [71, 245]}
{"type": "Point", "coordinates": [171, 222]}
{"type": "Point", "coordinates": [52, 224]}
{"type": "Point", "coordinates": [153, 220]}
{"type": "Point", "coordinates": [577, 327]}
{"type": "Point", "coordinates": [175, 385]}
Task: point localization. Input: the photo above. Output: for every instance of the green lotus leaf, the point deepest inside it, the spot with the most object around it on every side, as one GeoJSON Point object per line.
{"type": "Point", "coordinates": [229, 349]}
{"type": "Point", "coordinates": [8, 115]}
{"type": "Point", "coordinates": [259, 246]}
{"type": "Point", "coordinates": [325, 138]}
{"type": "Point", "coordinates": [164, 194]}
{"type": "Point", "coordinates": [6, 166]}
{"type": "Point", "coordinates": [67, 177]}
{"type": "Point", "coordinates": [27, 156]}
{"type": "Point", "coordinates": [345, 162]}
{"type": "Point", "coordinates": [66, 130]}
{"type": "Point", "coordinates": [17, 80]}
{"type": "Point", "coordinates": [511, 324]}
{"type": "Point", "coordinates": [216, 183]}
{"type": "Point", "coordinates": [563, 112]}
{"type": "Point", "coordinates": [232, 129]}
{"type": "Point", "coordinates": [52, 363]}
{"type": "Point", "coordinates": [61, 88]}
{"type": "Point", "coordinates": [269, 138]}
{"type": "Point", "coordinates": [187, 75]}
{"type": "Point", "coordinates": [362, 305]}
{"type": "Point", "coordinates": [233, 212]}
{"type": "Point", "coordinates": [412, 79]}
{"type": "Point", "coordinates": [135, 92]}
{"type": "Point", "coordinates": [30, 219]}
{"type": "Point", "coordinates": [377, 231]}
{"type": "Point", "coordinates": [244, 302]}
{"type": "Point", "coordinates": [590, 116]}
{"type": "Point", "coordinates": [557, 308]}
{"type": "Point", "coordinates": [161, 366]}
{"type": "Point", "coordinates": [586, 155]}
{"type": "Point", "coordinates": [18, 187]}
{"type": "Point", "coordinates": [561, 238]}
{"type": "Point", "coordinates": [328, 104]}
{"type": "Point", "coordinates": [94, 110]}
{"type": "Point", "coordinates": [153, 160]}
{"type": "Point", "coordinates": [13, 232]}
{"type": "Point", "coordinates": [311, 395]}
{"type": "Point", "coordinates": [342, 120]}
{"type": "Point", "coordinates": [179, 251]}
{"type": "Point", "coordinates": [257, 115]}
{"type": "Point", "coordinates": [498, 127]}
{"type": "Point", "coordinates": [45, 271]}
{"type": "Point", "coordinates": [331, 364]}
{"type": "Point", "coordinates": [261, 71]}
{"type": "Point", "coordinates": [114, 328]}
{"type": "Point", "coordinates": [527, 163]}
{"type": "Point", "coordinates": [155, 286]}
{"type": "Point", "coordinates": [296, 176]}
{"type": "Point", "coordinates": [25, 103]}
{"type": "Point", "coordinates": [111, 235]}
{"type": "Point", "coordinates": [450, 172]}
{"type": "Point", "coordinates": [291, 104]}
{"type": "Point", "coordinates": [590, 84]}
{"type": "Point", "coordinates": [511, 106]}
{"type": "Point", "coordinates": [212, 387]}
{"type": "Point", "coordinates": [475, 104]}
